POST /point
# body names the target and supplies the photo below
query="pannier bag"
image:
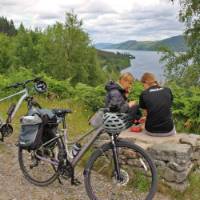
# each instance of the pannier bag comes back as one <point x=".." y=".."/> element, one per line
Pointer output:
<point x="97" y="119"/>
<point x="31" y="132"/>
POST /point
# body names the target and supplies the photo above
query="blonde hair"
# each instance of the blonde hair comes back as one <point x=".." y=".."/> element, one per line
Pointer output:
<point x="126" y="76"/>
<point x="149" y="79"/>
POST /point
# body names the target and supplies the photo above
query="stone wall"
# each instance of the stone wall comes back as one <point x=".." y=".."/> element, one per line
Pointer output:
<point x="175" y="156"/>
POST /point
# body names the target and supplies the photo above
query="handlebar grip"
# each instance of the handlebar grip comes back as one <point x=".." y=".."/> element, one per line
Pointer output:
<point x="15" y="85"/>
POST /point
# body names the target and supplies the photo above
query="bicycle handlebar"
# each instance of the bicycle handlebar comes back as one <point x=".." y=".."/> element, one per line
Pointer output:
<point x="23" y="84"/>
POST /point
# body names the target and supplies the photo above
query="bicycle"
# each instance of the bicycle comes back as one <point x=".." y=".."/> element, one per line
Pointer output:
<point x="116" y="170"/>
<point x="40" y="86"/>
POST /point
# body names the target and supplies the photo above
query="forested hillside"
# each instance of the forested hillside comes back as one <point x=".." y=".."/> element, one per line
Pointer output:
<point x="63" y="51"/>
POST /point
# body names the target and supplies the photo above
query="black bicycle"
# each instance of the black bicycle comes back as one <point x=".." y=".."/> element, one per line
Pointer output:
<point x="117" y="169"/>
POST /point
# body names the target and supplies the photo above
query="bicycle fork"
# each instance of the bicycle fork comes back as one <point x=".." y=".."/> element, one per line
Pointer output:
<point x="116" y="158"/>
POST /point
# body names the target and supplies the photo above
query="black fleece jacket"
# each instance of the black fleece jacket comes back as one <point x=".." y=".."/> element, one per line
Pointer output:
<point x="116" y="99"/>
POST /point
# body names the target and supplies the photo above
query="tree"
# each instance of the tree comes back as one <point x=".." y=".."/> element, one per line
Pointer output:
<point x="66" y="53"/>
<point x="7" y="27"/>
<point x="5" y="56"/>
<point x="184" y="67"/>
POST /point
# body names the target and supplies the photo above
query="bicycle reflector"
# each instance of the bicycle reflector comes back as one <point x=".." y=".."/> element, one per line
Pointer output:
<point x="40" y="86"/>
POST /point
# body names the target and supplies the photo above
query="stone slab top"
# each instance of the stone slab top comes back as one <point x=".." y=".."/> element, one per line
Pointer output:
<point x="144" y="138"/>
<point x="168" y="147"/>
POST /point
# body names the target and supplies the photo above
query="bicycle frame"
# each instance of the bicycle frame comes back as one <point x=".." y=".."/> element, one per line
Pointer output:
<point x="24" y="93"/>
<point x="74" y="160"/>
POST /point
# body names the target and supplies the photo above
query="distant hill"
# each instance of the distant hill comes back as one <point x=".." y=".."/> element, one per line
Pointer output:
<point x="176" y="43"/>
<point x="103" y="45"/>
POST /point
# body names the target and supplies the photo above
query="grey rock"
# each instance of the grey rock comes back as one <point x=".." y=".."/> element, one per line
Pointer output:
<point x="159" y="163"/>
<point x="172" y="176"/>
<point x="191" y="139"/>
<point x="178" y="168"/>
<point x="178" y="186"/>
<point x="179" y="153"/>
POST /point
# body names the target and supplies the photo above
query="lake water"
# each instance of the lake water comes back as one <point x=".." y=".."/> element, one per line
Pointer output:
<point x="145" y="61"/>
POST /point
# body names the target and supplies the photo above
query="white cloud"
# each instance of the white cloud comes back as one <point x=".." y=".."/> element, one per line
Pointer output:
<point x="105" y="20"/>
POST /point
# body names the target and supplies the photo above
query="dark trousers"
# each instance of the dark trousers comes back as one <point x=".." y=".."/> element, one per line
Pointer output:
<point x="134" y="113"/>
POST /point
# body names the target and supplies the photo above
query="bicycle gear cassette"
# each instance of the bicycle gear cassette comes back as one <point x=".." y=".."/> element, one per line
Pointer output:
<point x="6" y="130"/>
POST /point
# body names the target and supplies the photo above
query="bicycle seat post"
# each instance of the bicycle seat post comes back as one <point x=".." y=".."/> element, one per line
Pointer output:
<point x="64" y="122"/>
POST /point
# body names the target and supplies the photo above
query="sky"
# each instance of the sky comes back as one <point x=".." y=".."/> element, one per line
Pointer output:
<point x="105" y="20"/>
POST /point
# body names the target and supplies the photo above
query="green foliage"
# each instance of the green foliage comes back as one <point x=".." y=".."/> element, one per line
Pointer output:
<point x="92" y="97"/>
<point x="186" y="108"/>
<point x="62" y="88"/>
<point x="136" y="91"/>
<point x="184" y="67"/>
<point x="62" y="51"/>
<point x="182" y="71"/>
<point x="113" y="63"/>
<point x="5" y="51"/>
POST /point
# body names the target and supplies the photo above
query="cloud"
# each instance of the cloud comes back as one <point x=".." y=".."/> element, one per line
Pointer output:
<point x="105" y="21"/>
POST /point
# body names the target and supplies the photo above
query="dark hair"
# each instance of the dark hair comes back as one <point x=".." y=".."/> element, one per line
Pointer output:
<point x="149" y="79"/>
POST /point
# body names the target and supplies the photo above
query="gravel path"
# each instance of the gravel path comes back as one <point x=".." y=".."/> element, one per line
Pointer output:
<point x="13" y="185"/>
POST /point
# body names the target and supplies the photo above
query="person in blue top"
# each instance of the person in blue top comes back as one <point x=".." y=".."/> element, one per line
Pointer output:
<point x="157" y="103"/>
<point x="117" y="96"/>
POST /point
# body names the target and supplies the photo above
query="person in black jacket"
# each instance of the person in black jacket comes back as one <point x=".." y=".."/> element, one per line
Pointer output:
<point x="157" y="102"/>
<point x="117" y="96"/>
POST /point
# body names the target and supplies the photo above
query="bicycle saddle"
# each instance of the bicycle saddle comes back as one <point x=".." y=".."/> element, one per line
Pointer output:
<point x="61" y="112"/>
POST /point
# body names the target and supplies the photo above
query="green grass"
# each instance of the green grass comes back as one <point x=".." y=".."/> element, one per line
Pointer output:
<point x="77" y="121"/>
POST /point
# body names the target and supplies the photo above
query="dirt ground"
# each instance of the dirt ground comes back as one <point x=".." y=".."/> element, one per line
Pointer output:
<point x="13" y="186"/>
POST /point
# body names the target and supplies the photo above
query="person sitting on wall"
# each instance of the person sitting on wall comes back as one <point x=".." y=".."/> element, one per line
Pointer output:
<point x="157" y="103"/>
<point x="117" y="97"/>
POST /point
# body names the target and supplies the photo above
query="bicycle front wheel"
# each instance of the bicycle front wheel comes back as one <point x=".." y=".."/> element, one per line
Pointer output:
<point x="40" y="172"/>
<point x="137" y="171"/>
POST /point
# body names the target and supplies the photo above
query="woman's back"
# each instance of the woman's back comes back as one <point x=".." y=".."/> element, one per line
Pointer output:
<point x="157" y="101"/>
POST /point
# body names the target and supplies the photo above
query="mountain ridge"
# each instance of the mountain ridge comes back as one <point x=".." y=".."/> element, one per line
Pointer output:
<point x="175" y="43"/>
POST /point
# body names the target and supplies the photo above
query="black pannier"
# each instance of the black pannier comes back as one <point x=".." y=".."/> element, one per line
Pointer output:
<point x="31" y="132"/>
<point x="37" y="129"/>
<point x="49" y="131"/>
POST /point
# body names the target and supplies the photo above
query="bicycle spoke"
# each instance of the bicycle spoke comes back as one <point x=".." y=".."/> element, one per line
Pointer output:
<point x="37" y="171"/>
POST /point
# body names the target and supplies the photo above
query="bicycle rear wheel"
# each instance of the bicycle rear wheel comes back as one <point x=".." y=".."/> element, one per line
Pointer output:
<point x="38" y="171"/>
<point x="138" y="174"/>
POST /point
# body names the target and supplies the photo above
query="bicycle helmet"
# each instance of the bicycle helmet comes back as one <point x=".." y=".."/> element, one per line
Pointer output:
<point x="40" y="86"/>
<point x="115" y="122"/>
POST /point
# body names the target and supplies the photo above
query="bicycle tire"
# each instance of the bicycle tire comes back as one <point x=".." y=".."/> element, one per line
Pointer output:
<point x="103" y="176"/>
<point x="34" y="177"/>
